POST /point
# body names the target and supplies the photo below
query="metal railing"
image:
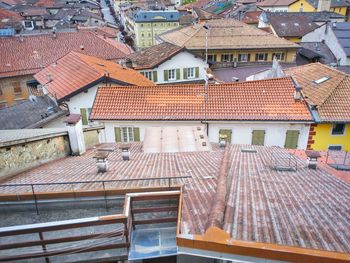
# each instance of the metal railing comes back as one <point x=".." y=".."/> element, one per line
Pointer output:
<point x="32" y="188"/>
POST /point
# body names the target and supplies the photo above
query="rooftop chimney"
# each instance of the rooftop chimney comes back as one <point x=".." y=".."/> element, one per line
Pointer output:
<point x="75" y="133"/>
<point x="125" y="151"/>
<point x="312" y="157"/>
<point x="101" y="157"/>
<point x="297" y="92"/>
<point x="21" y="39"/>
<point x="81" y="47"/>
<point x="54" y="34"/>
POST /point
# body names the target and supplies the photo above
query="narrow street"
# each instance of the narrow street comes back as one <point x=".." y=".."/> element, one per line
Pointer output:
<point x="107" y="14"/>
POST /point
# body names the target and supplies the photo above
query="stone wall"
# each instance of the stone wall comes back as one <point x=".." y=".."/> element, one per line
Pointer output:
<point x="19" y="157"/>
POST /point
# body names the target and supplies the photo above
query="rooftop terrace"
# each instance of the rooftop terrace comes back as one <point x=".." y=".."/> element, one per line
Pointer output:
<point x="303" y="208"/>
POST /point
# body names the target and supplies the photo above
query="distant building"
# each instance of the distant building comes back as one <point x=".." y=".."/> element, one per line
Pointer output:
<point x="327" y="92"/>
<point x="28" y="54"/>
<point x="149" y="24"/>
<point x="265" y="112"/>
<point x="73" y="81"/>
<point x="337" y="6"/>
<point x="164" y="64"/>
<point x="337" y="38"/>
<point x="231" y="43"/>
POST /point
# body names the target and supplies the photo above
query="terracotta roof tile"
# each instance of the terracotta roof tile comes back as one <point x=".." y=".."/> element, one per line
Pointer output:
<point x="10" y="18"/>
<point x="38" y="51"/>
<point x="75" y="71"/>
<point x="331" y="97"/>
<point x="270" y="99"/>
<point x="292" y="26"/>
<point x="153" y="56"/>
<point x="228" y="34"/>
<point x="251" y="17"/>
<point x="262" y="205"/>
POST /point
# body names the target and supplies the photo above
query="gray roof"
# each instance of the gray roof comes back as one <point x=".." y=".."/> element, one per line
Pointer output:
<point x="334" y="3"/>
<point x="29" y="114"/>
<point x="342" y="33"/>
<point x="157" y="16"/>
<point x="323" y="16"/>
<point x="11" y="137"/>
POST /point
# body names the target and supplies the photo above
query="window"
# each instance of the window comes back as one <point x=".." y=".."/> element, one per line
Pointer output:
<point x="148" y="74"/>
<point x="141" y="25"/>
<point x="171" y="74"/>
<point x="243" y="57"/>
<point x="278" y="56"/>
<point x="321" y="80"/>
<point x="190" y="73"/>
<point x="28" y="24"/>
<point x="17" y="87"/>
<point x="127" y="134"/>
<point x="226" y="57"/>
<point x="212" y="58"/>
<point x="334" y="148"/>
<point x="258" y="137"/>
<point x="338" y="129"/>
<point x="261" y="56"/>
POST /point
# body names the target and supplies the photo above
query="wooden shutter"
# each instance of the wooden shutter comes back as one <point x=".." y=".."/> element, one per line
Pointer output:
<point x="178" y="74"/>
<point x="258" y="137"/>
<point x="166" y="75"/>
<point x="185" y="73"/>
<point x="225" y="134"/>
<point x="248" y="57"/>
<point x="117" y="134"/>
<point x="256" y="57"/>
<point x="136" y="134"/>
<point x="266" y="56"/>
<point x="17" y="87"/>
<point x="292" y="138"/>
<point x="84" y="116"/>
<point x="273" y="55"/>
<point x="155" y="77"/>
<point x="197" y="72"/>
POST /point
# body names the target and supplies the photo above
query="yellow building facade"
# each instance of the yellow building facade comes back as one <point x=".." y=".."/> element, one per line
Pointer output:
<point x="241" y="56"/>
<point x="329" y="136"/>
<point x="305" y="6"/>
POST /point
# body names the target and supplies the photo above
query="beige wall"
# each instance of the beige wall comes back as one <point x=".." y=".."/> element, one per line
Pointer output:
<point x="91" y="138"/>
<point x="7" y="89"/>
<point x="19" y="157"/>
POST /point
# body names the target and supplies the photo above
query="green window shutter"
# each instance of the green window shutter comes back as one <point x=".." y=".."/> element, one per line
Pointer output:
<point x="155" y="77"/>
<point x="225" y="134"/>
<point x="142" y="73"/>
<point x="266" y="56"/>
<point x="197" y="72"/>
<point x="136" y="134"/>
<point x="258" y="137"/>
<point x="177" y="73"/>
<point x="273" y="55"/>
<point x="84" y="116"/>
<point x="166" y="75"/>
<point x="185" y="73"/>
<point x="117" y="134"/>
<point x="248" y="57"/>
<point x="256" y="57"/>
<point x="292" y="138"/>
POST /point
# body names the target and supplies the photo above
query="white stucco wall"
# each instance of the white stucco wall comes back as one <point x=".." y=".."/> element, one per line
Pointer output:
<point x="241" y="131"/>
<point x="82" y="100"/>
<point x="182" y="60"/>
<point x="331" y="41"/>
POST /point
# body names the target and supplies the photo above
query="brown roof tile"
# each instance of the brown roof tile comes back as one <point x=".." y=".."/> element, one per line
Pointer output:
<point x="227" y="34"/>
<point x="292" y="26"/>
<point x="153" y="56"/>
<point x="276" y="3"/>
<point x="331" y="97"/>
<point x="270" y="99"/>
<point x="251" y="17"/>
<point x="262" y="205"/>
<point x="75" y="71"/>
<point x="38" y="51"/>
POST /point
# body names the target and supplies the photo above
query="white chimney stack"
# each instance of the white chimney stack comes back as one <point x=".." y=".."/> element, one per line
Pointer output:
<point x="75" y="133"/>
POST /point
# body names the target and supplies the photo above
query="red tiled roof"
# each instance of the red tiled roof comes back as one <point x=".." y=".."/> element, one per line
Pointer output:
<point x="75" y="71"/>
<point x="330" y="97"/>
<point x="9" y="18"/>
<point x="251" y="17"/>
<point x="38" y="51"/>
<point x="276" y="3"/>
<point x="270" y="99"/>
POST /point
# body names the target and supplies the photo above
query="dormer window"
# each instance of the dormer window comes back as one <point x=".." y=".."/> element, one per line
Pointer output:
<point x="321" y="80"/>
